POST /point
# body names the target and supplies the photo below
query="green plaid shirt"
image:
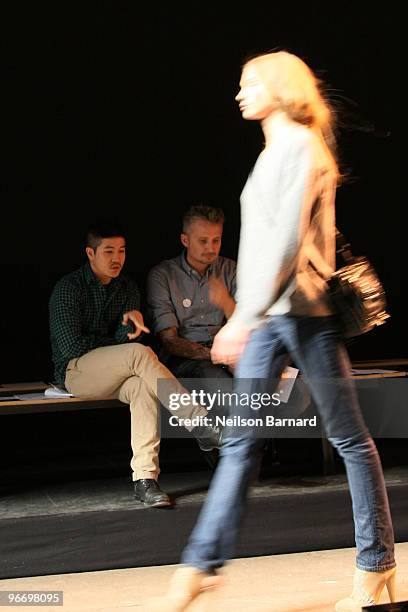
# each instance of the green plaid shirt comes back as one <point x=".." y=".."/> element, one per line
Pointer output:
<point x="84" y="315"/>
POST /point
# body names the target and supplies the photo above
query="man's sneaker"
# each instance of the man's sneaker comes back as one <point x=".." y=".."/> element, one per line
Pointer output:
<point x="149" y="493"/>
<point x="208" y="438"/>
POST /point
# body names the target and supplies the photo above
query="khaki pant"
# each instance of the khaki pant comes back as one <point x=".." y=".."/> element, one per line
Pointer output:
<point x="130" y="373"/>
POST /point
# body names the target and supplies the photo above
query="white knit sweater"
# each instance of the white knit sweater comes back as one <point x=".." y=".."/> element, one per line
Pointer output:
<point x="287" y="222"/>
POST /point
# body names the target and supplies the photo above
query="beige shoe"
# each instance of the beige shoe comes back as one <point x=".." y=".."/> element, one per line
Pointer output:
<point x="186" y="584"/>
<point x="367" y="589"/>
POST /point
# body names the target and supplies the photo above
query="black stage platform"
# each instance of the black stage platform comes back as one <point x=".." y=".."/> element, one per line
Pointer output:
<point x="66" y="499"/>
<point x="95" y="524"/>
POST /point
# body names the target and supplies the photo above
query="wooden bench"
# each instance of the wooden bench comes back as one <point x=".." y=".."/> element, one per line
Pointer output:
<point x="30" y="406"/>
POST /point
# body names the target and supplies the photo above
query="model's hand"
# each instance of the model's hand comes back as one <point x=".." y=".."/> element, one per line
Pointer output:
<point x="229" y="343"/>
<point x="135" y="317"/>
<point x="219" y="296"/>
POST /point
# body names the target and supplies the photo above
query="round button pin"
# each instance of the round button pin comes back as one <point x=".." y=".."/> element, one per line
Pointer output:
<point x="186" y="303"/>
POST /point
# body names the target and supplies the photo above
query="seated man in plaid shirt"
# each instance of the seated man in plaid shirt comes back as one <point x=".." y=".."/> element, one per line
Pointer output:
<point x="94" y="323"/>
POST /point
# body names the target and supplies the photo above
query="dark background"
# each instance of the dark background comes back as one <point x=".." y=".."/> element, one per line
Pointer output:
<point x="126" y="110"/>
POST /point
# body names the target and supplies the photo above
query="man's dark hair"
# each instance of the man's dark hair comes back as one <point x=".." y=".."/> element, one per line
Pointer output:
<point x="200" y="211"/>
<point x="104" y="229"/>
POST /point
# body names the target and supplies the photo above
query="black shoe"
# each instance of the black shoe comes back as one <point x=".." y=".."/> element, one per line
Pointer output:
<point x="149" y="493"/>
<point x="208" y="438"/>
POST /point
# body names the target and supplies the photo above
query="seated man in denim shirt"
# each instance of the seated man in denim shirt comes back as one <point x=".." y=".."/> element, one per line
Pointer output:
<point x="190" y="297"/>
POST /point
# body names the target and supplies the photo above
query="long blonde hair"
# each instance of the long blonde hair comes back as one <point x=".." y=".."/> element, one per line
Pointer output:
<point x="297" y="91"/>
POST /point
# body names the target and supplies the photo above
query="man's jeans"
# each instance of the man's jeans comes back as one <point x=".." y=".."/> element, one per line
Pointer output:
<point x="201" y="375"/>
<point x="317" y="350"/>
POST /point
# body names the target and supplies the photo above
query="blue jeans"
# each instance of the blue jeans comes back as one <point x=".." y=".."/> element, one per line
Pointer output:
<point x="318" y="352"/>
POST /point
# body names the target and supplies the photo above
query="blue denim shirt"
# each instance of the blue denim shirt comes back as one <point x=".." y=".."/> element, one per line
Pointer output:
<point x="177" y="296"/>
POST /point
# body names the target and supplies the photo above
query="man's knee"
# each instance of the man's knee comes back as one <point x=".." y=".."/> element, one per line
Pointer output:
<point x="140" y="351"/>
<point x="135" y="392"/>
<point x="214" y="370"/>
